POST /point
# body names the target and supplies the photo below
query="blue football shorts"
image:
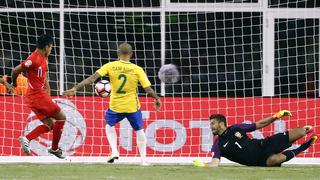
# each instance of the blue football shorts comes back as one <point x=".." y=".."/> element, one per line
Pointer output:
<point x="135" y="118"/>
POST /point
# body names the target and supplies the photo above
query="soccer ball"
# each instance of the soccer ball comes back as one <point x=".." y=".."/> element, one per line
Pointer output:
<point x="169" y="73"/>
<point x="103" y="88"/>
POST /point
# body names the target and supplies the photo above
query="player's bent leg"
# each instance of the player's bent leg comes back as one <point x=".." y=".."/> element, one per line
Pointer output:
<point x="57" y="131"/>
<point x="297" y="133"/>
<point x="313" y="139"/>
<point x="275" y="160"/>
<point x="41" y="129"/>
<point x="36" y="132"/>
<point x="59" y="115"/>
<point x="25" y="145"/>
<point x="308" y="128"/>
<point x="60" y="119"/>
<point x="57" y="153"/>
<point x="135" y="120"/>
<point x="112" y="118"/>
<point x="48" y="122"/>
<point x="294" y="152"/>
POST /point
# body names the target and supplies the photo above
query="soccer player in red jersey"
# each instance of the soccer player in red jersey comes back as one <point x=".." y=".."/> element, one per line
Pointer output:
<point x="38" y="96"/>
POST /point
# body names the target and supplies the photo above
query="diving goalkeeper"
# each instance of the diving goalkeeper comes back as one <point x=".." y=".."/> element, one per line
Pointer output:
<point x="234" y="144"/>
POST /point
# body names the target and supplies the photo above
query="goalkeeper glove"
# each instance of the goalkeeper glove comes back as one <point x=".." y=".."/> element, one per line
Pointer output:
<point x="281" y="114"/>
<point x="197" y="163"/>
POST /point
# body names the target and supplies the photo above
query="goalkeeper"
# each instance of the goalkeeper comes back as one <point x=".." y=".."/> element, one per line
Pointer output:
<point x="234" y="144"/>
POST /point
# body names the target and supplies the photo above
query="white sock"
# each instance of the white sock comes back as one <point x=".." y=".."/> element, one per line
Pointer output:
<point x="112" y="138"/>
<point x="142" y="144"/>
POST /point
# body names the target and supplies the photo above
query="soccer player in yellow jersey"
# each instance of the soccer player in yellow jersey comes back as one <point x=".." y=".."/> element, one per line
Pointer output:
<point x="124" y="77"/>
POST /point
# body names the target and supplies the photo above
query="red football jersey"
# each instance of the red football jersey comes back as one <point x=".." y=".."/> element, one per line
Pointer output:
<point x="35" y="67"/>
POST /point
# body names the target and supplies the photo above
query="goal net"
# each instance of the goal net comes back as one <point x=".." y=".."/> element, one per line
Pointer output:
<point x="244" y="59"/>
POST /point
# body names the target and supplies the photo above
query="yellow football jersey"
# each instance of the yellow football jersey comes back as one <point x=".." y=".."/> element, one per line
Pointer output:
<point x="124" y="77"/>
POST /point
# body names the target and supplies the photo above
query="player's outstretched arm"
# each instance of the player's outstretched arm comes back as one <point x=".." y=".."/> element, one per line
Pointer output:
<point x="71" y="92"/>
<point x="266" y="121"/>
<point x="214" y="163"/>
<point x="151" y="92"/>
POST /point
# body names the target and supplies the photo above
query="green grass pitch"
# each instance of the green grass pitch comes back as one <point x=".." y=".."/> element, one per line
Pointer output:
<point x="171" y="172"/>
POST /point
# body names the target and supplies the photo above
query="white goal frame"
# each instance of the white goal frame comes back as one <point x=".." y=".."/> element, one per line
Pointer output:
<point x="269" y="16"/>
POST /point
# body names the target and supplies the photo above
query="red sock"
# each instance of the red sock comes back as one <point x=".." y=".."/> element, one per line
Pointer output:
<point x="57" y="131"/>
<point x="36" y="132"/>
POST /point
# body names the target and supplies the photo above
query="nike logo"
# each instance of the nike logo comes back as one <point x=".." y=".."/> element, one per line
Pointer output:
<point x="225" y="144"/>
<point x="236" y="143"/>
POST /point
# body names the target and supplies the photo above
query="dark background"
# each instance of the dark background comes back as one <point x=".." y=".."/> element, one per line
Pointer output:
<point x="218" y="54"/>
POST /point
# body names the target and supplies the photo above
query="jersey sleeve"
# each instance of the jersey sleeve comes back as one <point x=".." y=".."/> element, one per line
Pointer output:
<point x="143" y="79"/>
<point x="104" y="70"/>
<point x="28" y="64"/>
<point x="215" y="150"/>
<point x="245" y="127"/>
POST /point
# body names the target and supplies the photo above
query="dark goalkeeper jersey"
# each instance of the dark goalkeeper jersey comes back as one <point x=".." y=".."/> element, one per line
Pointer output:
<point x="235" y="145"/>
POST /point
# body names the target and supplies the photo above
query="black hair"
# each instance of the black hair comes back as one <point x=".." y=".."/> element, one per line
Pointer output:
<point x="43" y="41"/>
<point x="219" y="118"/>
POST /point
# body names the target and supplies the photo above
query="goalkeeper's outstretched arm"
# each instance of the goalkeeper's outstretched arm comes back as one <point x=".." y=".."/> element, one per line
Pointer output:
<point x="268" y="120"/>
<point x="87" y="81"/>
<point x="214" y="163"/>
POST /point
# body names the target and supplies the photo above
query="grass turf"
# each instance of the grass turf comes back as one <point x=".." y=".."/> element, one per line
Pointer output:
<point x="172" y="172"/>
